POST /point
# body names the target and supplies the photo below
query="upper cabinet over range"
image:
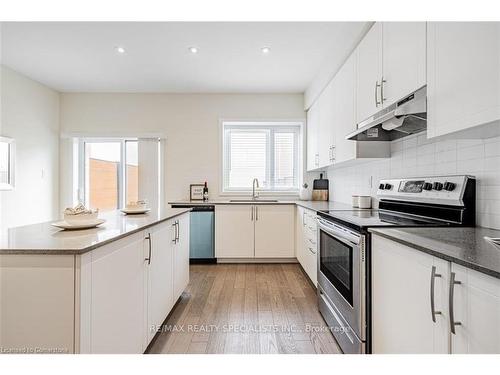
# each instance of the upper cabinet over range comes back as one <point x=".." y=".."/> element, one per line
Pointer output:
<point x="391" y="64"/>
<point x="463" y="88"/>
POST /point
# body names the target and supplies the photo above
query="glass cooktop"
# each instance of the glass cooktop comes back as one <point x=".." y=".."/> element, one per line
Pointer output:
<point x="379" y="218"/>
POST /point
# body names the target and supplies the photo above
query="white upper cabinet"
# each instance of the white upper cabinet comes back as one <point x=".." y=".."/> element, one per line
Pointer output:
<point x="463" y="75"/>
<point x="404" y="59"/>
<point x="327" y="120"/>
<point x="391" y="64"/>
<point x="369" y="73"/>
<point x="312" y="129"/>
<point x="345" y="111"/>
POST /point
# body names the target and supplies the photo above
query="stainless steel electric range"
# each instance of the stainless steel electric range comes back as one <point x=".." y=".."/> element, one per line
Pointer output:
<point x="344" y="261"/>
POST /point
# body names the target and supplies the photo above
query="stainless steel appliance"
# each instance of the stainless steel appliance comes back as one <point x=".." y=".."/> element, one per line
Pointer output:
<point x="405" y="117"/>
<point x="344" y="285"/>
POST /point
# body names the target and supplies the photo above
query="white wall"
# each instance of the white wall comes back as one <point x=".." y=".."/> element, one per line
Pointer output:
<point x="30" y="115"/>
<point x="190" y="123"/>
<point x="419" y="156"/>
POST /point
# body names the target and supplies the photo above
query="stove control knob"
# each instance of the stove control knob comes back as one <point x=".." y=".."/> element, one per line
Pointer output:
<point x="381" y="186"/>
<point x="449" y="186"/>
<point x="427" y="186"/>
<point x="437" y="186"/>
<point x="388" y="187"/>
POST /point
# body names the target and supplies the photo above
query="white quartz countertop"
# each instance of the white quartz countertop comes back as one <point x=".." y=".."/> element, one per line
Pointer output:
<point x="44" y="238"/>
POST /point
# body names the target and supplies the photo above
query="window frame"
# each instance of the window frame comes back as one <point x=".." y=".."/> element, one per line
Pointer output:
<point x="83" y="188"/>
<point x="273" y="126"/>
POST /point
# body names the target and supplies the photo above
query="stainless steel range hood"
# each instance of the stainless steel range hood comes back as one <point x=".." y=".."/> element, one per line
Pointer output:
<point x="408" y="116"/>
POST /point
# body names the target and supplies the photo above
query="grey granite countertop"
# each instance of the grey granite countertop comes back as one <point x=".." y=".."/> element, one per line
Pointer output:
<point x="44" y="238"/>
<point x="311" y="205"/>
<point x="461" y="245"/>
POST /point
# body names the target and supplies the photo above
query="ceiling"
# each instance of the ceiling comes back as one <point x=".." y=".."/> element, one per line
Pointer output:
<point x="82" y="56"/>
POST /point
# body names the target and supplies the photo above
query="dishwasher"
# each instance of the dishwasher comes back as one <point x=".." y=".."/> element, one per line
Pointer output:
<point x="201" y="233"/>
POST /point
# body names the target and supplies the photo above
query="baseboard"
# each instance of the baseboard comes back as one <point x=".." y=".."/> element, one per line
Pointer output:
<point x="257" y="260"/>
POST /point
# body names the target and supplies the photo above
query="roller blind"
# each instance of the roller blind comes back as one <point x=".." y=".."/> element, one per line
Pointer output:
<point x="266" y="151"/>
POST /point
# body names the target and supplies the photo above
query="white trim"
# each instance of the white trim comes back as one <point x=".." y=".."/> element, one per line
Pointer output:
<point x="112" y="135"/>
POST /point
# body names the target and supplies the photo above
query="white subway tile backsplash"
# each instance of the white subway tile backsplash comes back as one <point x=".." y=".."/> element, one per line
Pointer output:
<point x="419" y="156"/>
<point x="474" y="152"/>
<point x="492" y="149"/>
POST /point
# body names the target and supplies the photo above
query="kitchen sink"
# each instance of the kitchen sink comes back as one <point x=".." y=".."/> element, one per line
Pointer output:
<point x="253" y="200"/>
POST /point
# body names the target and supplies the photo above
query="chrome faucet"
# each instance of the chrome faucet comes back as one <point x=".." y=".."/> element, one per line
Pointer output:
<point x="255" y="184"/>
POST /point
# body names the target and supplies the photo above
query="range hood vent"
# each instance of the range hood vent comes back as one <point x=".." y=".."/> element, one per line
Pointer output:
<point x="408" y="116"/>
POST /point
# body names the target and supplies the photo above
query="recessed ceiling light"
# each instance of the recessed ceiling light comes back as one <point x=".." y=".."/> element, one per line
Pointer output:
<point x="193" y="50"/>
<point x="265" y="50"/>
<point x="120" y="49"/>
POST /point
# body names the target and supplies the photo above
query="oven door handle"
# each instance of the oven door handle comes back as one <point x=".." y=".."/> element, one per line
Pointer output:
<point x="338" y="232"/>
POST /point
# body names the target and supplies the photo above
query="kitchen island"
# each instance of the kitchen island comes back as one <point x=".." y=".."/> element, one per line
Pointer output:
<point x="101" y="290"/>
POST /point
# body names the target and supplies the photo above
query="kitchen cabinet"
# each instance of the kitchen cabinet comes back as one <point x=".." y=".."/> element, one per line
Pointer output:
<point x="117" y="297"/>
<point x="463" y="77"/>
<point x="326" y="124"/>
<point x="274" y="231"/>
<point x="391" y="63"/>
<point x="306" y="242"/>
<point x="127" y="288"/>
<point x="369" y="73"/>
<point x="402" y="298"/>
<point x="254" y="231"/>
<point x="345" y="112"/>
<point x="313" y="137"/>
<point x="181" y="256"/>
<point x="404" y="59"/>
<point x="476" y="305"/>
<point x="160" y="270"/>
<point x="234" y="231"/>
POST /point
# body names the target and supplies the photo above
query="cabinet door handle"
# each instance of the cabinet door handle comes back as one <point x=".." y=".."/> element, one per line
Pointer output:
<point x="150" y="245"/>
<point x="251" y="215"/>
<point x="377" y="85"/>
<point x="382" y="90"/>
<point x="304" y="218"/>
<point x="175" y="232"/>
<point x="453" y="282"/>
<point x="256" y="213"/>
<point x="178" y="231"/>
<point x="433" y="278"/>
<point x="311" y="250"/>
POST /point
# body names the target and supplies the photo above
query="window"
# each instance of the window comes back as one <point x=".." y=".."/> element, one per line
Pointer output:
<point x="268" y="151"/>
<point x="109" y="173"/>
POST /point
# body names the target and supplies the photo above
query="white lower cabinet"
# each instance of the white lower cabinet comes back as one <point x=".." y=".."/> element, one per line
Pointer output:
<point x="274" y="231"/>
<point x="401" y="300"/>
<point x="181" y="256"/>
<point x="476" y="305"/>
<point x="254" y="231"/>
<point x="117" y="297"/>
<point x="160" y="277"/>
<point x="409" y="285"/>
<point x="306" y="242"/>
<point x="234" y="231"/>
<point x="128" y="288"/>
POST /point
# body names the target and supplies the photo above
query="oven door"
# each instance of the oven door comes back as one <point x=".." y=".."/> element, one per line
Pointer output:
<point x="341" y="272"/>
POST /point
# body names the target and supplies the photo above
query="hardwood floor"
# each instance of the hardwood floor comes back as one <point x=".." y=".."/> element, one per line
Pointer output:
<point x="246" y="308"/>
